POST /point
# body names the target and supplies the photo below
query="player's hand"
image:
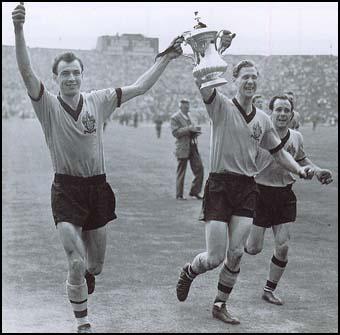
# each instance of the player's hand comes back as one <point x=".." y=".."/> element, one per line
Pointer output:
<point x="18" y="16"/>
<point x="324" y="176"/>
<point x="306" y="172"/>
<point x="310" y="171"/>
<point x="175" y="48"/>
<point x="226" y="40"/>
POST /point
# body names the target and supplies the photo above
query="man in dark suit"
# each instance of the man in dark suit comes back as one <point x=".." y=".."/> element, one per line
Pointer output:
<point x="186" y="150"/>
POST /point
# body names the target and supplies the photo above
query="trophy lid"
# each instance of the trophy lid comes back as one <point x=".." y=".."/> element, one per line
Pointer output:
<point x="199" y="24"/>
<point x="200" y="28"/>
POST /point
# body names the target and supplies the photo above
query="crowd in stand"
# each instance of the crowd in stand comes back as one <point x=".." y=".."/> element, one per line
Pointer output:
<point x="313" y="79"/>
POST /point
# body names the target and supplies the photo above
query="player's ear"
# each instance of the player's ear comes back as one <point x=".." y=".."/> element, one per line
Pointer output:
<point x="55" y="78"/>
<point x="291" y="118"/>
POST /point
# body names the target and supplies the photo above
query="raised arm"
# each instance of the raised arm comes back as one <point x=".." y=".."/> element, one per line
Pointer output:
<point x="31" y="81"/>
<point x="226" y="40"/>
<point x="206" y="92"/>
<point x="149" y="78"/>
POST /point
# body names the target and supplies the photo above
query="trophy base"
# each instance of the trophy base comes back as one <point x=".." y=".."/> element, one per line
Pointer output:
<point x="214" y="83"/>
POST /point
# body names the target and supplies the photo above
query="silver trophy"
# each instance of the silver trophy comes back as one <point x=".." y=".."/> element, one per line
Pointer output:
<point x="207" y="49"/>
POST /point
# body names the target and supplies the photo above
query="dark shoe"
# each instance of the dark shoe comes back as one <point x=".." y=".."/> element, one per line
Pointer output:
<point x="86" y="328"/>
<point x="222" y="314"/>
<point x="196" y="196"/>
<point x="90" y="281"/>
<point x="184" y="282"/>
<point x="271" y="298"/>
<point x="181" y="198"/>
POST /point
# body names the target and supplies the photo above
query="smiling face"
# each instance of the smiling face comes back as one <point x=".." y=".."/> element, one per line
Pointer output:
<point x="282" y="113"/>
<point x="246" y="81"/>
<point x="69" y="77"/>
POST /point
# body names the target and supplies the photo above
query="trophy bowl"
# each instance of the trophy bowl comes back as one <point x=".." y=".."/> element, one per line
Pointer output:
<point x="207" y="55"/>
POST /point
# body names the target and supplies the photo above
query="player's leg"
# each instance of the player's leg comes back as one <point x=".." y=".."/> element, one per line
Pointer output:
<point x="95" y="244"/>
<point x="254" y="244"/>
<point x="216" y="234"/>
<point x="278" y="262"/>
<point x="262" y="220"/>
<point x="198" y="171"/>
<point x="76" y="287"/>
<point x="103" y="205"/>
<point x="181" y="168"/>
<point x="239" y="228"/>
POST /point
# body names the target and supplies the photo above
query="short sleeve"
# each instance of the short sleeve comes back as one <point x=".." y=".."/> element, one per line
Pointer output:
<point x="300" y="155"/>
<point x="106" y="100"/>
<point x="262" y="159"/>
<point x="215" y="105"/>
<point x="270" y="140"/>
<point x="43" y="107"/>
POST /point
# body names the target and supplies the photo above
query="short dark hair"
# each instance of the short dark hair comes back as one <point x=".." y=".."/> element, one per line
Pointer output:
<point x="67" y="57"/>
<point x="243" y="63"/>
<point x="257" y="96"/>
<point x="281" y="97"/>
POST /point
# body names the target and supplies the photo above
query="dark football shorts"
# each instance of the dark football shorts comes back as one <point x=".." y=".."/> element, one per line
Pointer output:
<point x="88" y="202"/>
<point x="276" y="205"/>
<point x="227" y="194"/>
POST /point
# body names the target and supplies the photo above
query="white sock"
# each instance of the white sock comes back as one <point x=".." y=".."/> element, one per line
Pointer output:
<point x="77" y="295"/>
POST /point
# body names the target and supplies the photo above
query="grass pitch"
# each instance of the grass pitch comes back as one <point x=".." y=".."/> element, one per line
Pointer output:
<point x="151" y="240"/>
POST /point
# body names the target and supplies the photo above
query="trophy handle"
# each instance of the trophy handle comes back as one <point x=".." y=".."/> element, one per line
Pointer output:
<point x="185" y="35"/>
<point x="219" y="49"/>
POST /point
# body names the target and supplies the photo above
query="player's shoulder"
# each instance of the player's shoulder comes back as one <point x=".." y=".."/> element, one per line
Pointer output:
<point x="296" y="134"/>
<point x="108" y="91"/>
<point x="44" y="91"/>
<point x="220" y="95"/>
<point x="45" y="95"/>
<point x="91" y="94"/>
<point x="262" y="115"/>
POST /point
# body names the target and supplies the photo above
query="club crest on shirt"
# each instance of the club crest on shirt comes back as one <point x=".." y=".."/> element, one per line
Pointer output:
<point x="291" y="149"/>
<point x="89" y="123"/>
<point x="257" y="131"/>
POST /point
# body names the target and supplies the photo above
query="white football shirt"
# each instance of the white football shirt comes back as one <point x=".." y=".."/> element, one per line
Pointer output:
<point x="75" y="137"/>
<point x="271" y="173"/>
<point x="236" y="137"/>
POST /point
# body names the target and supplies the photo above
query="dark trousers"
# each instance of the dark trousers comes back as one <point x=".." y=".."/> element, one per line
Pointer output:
<point x="197" y="169"/>
<point x="158" y="130"/>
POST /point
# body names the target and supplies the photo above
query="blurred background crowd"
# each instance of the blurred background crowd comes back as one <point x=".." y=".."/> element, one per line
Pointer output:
<point x="313" y="79"/>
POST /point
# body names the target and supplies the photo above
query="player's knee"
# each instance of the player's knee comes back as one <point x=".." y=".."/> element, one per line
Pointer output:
<point x="96" y="269"/>
<point x="234" y="257"/>
<point x="282" y="250"/>
<point x="215" y="260"/>
<point x="77" y="268"/>
<point x="253" y="249"/>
